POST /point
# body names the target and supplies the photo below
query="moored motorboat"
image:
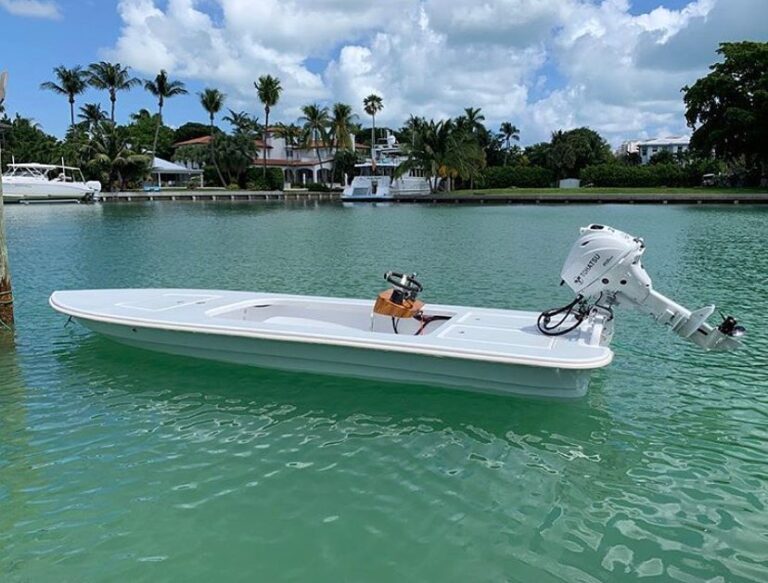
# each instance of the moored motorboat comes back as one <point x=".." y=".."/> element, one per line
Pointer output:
<point x="378" y="179"/>
<point x="47" y="183"/>
<point x="398" y="338"/>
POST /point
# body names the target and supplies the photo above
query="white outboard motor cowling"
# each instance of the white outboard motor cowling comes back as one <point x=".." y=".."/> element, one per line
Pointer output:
<point x="604" y="265"/>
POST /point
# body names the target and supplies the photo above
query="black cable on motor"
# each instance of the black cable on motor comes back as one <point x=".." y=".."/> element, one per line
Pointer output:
<point x="608" y="309"/>
<point x="394" y="325"/>
<point x="544" y="319"/>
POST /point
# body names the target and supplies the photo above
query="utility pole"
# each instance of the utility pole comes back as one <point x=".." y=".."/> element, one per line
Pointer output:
<point x="6" y="293"/>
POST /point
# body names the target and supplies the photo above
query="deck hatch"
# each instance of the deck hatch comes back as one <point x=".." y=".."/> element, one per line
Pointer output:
<point x="166" y="302"/>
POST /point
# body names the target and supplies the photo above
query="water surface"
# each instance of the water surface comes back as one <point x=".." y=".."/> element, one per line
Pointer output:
<point x="116" y="464"/>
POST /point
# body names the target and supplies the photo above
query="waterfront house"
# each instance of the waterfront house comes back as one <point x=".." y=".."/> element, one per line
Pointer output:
<point x="674" y="145"/>
<point x="301" y="163"/>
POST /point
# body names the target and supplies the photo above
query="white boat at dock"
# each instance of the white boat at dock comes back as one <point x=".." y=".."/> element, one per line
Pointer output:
<point x="376" y="179"/>
<point x="32" y="182"/>
<point x="397" y="338"/>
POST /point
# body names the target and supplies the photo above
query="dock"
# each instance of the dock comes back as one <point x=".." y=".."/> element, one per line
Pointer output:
<point x="203" y="194"/>
<point x="467" y="198"/>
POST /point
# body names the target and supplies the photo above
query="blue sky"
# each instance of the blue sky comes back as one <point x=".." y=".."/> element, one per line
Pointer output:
<point x="81" y="35"/>
<point x="615" y="65"/>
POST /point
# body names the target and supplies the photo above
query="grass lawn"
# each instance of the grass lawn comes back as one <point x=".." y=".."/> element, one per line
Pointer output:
<point x="512" y="192"/>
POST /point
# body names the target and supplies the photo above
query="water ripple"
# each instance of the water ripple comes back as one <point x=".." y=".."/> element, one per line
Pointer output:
<point x="120" y="464"/>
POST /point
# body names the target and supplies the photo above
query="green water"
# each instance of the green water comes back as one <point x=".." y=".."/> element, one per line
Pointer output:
<point x="121" y="465"/>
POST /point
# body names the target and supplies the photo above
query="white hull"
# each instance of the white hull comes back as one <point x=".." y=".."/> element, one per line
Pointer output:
<point x="17" y="191"/>
<point x="495" y="351"/>
<point x="362" y="188"/>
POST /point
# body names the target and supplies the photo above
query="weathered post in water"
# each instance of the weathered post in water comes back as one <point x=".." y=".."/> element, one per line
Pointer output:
<point x="6" y="293"/>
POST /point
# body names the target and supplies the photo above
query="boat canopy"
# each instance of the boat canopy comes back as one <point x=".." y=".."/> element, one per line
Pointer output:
<point x="51" y="172"/>
<point x="33" y="165"/>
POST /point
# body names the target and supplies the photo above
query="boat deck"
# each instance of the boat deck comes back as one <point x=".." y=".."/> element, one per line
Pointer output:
<point x="502" y="336"/>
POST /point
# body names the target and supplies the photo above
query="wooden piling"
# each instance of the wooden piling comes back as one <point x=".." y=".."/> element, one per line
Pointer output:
<point x="6" y="292"/>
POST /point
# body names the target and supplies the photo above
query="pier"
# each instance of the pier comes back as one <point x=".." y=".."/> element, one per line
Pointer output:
<point x="214" y="195"/>
<point x="466" y="198"/>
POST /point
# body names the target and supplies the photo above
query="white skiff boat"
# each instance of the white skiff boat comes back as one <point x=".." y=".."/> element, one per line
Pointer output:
<point x="398" y="338"/>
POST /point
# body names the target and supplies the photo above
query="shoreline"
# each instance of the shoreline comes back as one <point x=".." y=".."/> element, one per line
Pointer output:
<point x="597" y="196"/>
<point x="506" y="196"/>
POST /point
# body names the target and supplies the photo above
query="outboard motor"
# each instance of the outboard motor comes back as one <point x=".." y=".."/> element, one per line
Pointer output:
<point x="604" y="269"/>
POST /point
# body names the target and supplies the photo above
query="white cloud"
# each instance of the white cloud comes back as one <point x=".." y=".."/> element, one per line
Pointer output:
<point x="542" y="64"/>
<point x="33" y="8"/>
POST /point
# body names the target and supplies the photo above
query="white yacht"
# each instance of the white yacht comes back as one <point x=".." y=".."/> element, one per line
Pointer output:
<point x="46" y="182"/>
<point x="375" y="179"/>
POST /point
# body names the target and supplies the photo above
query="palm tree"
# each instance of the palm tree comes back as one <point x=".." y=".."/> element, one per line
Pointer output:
<point x="212" y="101"/>
<point x="268" y="89"/>
<point x="92" y="114"/>
<point x="372" y="105"/>
<point x="141" y="115"/>
<point x="445" y="151"/>
<point x="291" y="133"/>
<point x="471" y="121"/>
<point x="508" y="133"/>
<point x="414" y="125"/>
<point x="316" y="121"/>
<point x="341" y="125"/>
<point x="236" y="154"/>
<point x="112" y="77"/>
<point x="163" y="89"/>
<point x="109" y="153"/>
<point x="242" y="122"/>
<point x="71" y="82"/>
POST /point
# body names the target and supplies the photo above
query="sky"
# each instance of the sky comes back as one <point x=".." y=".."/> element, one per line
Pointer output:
<point x="616" y="66"/>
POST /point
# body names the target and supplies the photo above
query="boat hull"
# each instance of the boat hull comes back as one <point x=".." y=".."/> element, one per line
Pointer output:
<point x="455" y="373"/>
<point x="461" y="347"/>
<point x="361" y="189"/>
<point x="34" y="191"/>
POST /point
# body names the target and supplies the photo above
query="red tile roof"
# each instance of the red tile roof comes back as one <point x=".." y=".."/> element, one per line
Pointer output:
<point x="205" y="140"/>
<point x="193" y="141"/>
<point x="281" y="162"/>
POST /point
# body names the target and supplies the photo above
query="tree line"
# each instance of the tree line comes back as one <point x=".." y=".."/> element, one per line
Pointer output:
<point x="727" y="111"/>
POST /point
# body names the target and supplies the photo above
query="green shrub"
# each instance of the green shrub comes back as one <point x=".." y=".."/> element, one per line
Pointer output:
<point x="655" y="175"/>
<point x="516" y="176"/>
<point x="256" y="180"/>
<point x="210" y="177"/>
<point x="318" y="187"/>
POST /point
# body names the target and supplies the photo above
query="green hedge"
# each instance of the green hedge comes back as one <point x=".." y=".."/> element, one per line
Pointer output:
<point x="654" y="175"/>
<point x="516" y="176"/>
<point x="255" y="178"/>
<point x="317" y="187"/>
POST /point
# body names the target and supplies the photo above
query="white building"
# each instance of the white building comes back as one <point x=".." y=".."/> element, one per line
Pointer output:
<point x="628" y="147"/>
<point x="673" y="145"/>
<point x="300" y="164"/>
